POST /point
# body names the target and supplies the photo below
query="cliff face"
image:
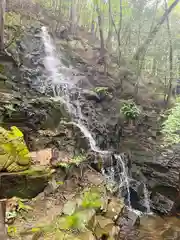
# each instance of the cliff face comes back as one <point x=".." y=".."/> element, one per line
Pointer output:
<point x="28" y="104"/>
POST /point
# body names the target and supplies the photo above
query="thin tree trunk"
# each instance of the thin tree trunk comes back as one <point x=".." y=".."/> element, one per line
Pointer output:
<point x="170" y="58"/>
<point x="102" y="50"/>
<point x="154" y="67"/>
<point x="108" y="40"/>
<point x="154" y="17"/>
<point x="119" y="33"/>
<point x="2" y="11"/>
<point x="141" y="51"/>
<point x="73" y="17"/>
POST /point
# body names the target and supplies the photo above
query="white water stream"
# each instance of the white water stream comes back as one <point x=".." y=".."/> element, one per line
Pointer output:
<point x="62" y="86"/>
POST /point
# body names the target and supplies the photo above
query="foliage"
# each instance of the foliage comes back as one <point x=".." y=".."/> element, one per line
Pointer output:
<point x="11" y="215"/>
<point x="14" y="154"/>
<point x="12" y="231"/>
<point x="171" y="125"/>
<point x="76" y="160"/>
<point x="130" y="110"/>
<point x="22" y="206"/>
<point x="100" y="90"/>
<point x="77" y="220"/>
<point x="12" y="19"/>
<point x="91" y="199"/>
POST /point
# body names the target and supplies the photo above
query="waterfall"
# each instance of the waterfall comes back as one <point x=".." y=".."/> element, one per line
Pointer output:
<point x="146" y="200"/>
<point x="62" y="87"/>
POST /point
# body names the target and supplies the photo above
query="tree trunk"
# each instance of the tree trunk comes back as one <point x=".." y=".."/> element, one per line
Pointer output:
<point x="141" y="51"/>
<point x="154" y="67"/>
<point x="108" y="40"/>
<point x="170" y="58"/>
<point x="102" y="50"/>
<point x="119" y="33"/>
<point x="2" y="11"/>
<point x="73" y="17"/>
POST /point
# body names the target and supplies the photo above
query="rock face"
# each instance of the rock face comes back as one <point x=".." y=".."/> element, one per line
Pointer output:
<point x="161" y="175"/>
<point x="34" y="111"/>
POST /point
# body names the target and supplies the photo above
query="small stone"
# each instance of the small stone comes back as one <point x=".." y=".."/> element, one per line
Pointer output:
<point x="114" y="208"/>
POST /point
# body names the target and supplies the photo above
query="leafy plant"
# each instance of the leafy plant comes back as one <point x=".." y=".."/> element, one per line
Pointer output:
<point x="12" y="231"/>
<point x="171" y="126"/>
<point x="91" y="199"/>
<point x="100" y="90"/>
<point x="77" y="220"/>
<point x="78" y="159"/>
<point x="22" y="206"/>
<point x="11" y="215"/>
<point x="130" y="110"/>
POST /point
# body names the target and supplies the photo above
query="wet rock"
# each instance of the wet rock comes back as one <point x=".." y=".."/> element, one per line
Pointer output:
<point x="161" y="204"/>
<point x="91" y="95"/>
<point x="94" y="177"/>
<point x="88" y="235"/>
<point x="24" y="185"/>
<point x="3" y="77"/>
<point x="114" y="208"/>
<point x="130" y="218"/>
<point x="104" y="227"/>
<point x="161" y="172"/>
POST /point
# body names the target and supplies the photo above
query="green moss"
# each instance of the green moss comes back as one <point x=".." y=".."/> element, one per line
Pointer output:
<point x="37" y="171"/>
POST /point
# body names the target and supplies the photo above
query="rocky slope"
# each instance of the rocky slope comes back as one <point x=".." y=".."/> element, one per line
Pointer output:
<point x="39" y="116"/>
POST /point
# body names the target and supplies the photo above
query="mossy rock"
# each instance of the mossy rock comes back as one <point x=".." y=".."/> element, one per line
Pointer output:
<point x="26" y="184"/>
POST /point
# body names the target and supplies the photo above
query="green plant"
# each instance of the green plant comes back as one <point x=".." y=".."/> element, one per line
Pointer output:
<point x="130" y="110"/>
<point x="12" y="231"/>
<point x="100" y="90"/>
<point x="78" y="159"/>
<point x="22" y="206"/>
<point x="171" y="126"/>
<point x="91" y="199"/>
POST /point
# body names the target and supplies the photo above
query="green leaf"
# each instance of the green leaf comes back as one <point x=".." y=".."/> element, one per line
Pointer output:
<point x="22" y="206"/>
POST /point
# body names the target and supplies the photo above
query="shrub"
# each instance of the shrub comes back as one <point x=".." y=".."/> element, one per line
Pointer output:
<point x="171" y="126"/>
<point x="101" y="90"/>
<point x="130" y="110"/>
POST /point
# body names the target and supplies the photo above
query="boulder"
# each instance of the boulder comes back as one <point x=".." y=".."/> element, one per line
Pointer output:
<point x="114" y="208"/>
<point x="91" y="95"/>
<point x="27" y="184"/>
<point x="161" y="172"/>
<point x="130" y="218"/>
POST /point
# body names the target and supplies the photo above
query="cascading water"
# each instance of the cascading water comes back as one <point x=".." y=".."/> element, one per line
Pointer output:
<point x="146" y="200"/>
<point x="124" y="177"/>
<point x="63" y="87"/>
